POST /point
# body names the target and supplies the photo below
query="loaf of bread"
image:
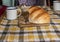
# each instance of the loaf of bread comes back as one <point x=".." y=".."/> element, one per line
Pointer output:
<point x="38" y="15"/>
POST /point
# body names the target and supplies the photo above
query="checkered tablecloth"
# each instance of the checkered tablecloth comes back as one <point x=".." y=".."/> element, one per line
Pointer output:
<point x="11" y="32"/>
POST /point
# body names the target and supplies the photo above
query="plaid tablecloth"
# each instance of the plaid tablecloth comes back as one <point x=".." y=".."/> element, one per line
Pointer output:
<point x="10" y="32"/>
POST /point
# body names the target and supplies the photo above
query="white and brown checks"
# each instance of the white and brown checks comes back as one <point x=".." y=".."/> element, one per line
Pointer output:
<point x="10" y="32"/>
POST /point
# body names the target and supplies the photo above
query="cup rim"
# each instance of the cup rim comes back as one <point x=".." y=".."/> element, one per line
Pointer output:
<point x="56" y="1"/>
<point x="11" y="8"/>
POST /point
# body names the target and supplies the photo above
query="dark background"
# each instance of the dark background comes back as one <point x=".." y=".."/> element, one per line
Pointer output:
<point x="50" y="2"/>
<point x="0" y="2"/>
<point x="37" y="2"/>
